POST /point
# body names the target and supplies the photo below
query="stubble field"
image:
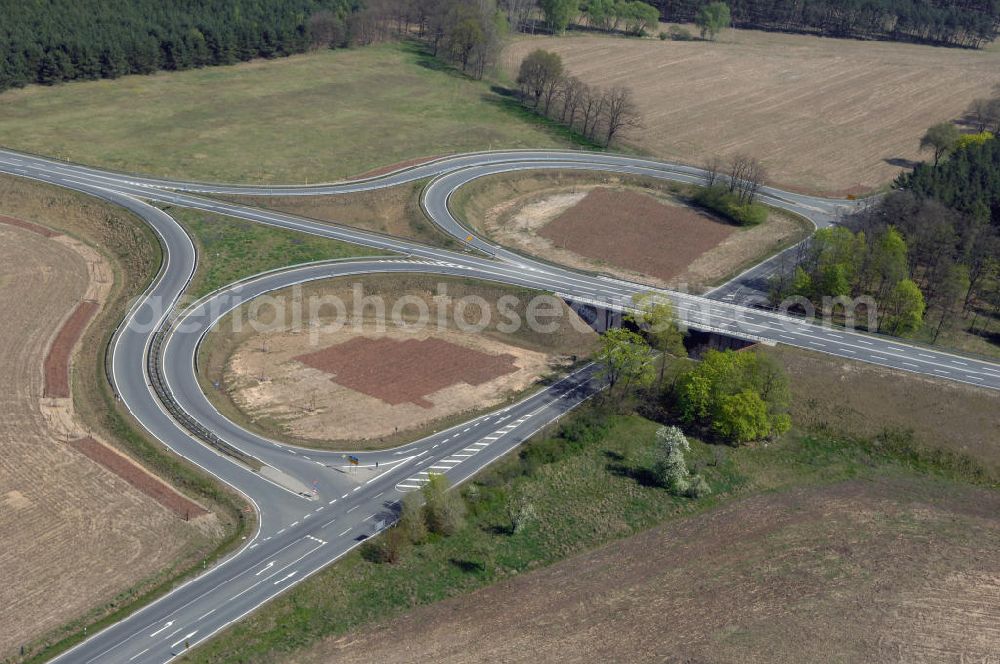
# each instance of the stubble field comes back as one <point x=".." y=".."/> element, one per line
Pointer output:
<point x="74" y="533"/>
<point x="826" y="115"/>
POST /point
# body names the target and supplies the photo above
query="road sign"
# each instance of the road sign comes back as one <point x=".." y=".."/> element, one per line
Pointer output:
<point x="469" y="238"/>
<point x="354" y="460"/>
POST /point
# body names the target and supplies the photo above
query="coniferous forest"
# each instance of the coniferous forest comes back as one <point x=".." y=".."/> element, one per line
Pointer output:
<point x="63" y="40"/>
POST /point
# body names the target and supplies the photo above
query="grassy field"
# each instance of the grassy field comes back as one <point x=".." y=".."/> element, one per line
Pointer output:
<point x="231" y="249"/>
<point x="393" y="211"/>
<point x="306" y="118"/>
<point x="828" y="115"/>
<point x="592" y="487"/>
<point x="133" y="255"/>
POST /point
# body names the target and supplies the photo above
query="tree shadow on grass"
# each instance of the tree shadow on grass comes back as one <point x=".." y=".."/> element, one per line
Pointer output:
<point x="641" y="476"/>
<point x="901" y="162"/>
<point x="468" y="566"/>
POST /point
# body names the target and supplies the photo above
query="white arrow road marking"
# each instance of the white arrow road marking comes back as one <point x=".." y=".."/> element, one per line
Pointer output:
<point x="176" y="643"/>
<point x="162" y="629"/>
<point x="287" y="577"/>
<point x="266" y="567"/>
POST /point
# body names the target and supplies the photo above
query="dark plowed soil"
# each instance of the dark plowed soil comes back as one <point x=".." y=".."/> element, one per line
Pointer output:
<point x="137" y="477"/>
<point x="57" y="361"/>
<point x="28" y="226"/>
<point x="406" y="371"/>
<point x="636" y="232"/>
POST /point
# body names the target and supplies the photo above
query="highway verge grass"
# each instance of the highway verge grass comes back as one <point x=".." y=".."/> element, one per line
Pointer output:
<point x="307" y="118"/>
<point x="392" y="211"/>
<point x="589" y="482"/>
<point x="231" y="249"/>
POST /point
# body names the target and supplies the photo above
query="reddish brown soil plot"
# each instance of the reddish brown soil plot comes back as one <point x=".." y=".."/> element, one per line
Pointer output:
<point x="406" y="371"/>
<point x="137" y="477"/>
<point x="28" y="226"/>
<point x="57" y="360"/>
<point x="636" y="232"/>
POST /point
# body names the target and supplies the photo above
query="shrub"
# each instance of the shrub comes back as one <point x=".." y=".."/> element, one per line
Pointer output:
<point x="677" y="33"/>
<point x="721" y="201"/>
<point x="444" y="510"/>
<point x="411" y="519"/>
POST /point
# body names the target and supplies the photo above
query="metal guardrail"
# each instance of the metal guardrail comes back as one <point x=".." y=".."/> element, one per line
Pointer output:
<point x="154" y="370"/>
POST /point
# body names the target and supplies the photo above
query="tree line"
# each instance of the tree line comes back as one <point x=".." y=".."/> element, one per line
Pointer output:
<point x="60" y="40"/>
<point x="928" y="253"/>
<point x="966" y="23"/>
<point x="600" y="115"/>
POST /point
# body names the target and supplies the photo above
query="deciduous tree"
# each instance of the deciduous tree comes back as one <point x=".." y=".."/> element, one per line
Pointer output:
<point x="713" y="19"/>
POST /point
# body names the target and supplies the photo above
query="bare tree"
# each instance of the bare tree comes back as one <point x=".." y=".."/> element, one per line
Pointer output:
<point x="713" y="167"/>
<point x="620" y="113"/>
<point x="571" y="93"/>
<point x="591" y="103"/>
<point x="746" y="176"/>
<point x="518" y="13"/>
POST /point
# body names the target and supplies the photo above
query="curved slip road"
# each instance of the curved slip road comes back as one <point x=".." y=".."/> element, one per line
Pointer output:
<point x="312" y="507"/>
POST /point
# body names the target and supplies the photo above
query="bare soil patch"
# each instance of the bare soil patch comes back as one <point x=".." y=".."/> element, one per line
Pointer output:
<point x="634" y="228"/>
<point x="276" y="391"/>
<point x="907" y="568"/>
<point x="58" y="358"/>
<point x="825" y="115"/>
<point x="76" y="535"/>
<point x="407" y="371"/>
<point x="390" y="383"/>
<point x="138" y="477"/>
<point x="635" y="231"/>
<point x="862" y="400"/>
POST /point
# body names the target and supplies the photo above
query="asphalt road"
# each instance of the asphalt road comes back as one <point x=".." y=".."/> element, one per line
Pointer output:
<point x="313" y="506"/>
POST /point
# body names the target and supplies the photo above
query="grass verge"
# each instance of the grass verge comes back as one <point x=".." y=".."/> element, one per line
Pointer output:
<point x="231" y="249"/>
<point x="392" y="211"/>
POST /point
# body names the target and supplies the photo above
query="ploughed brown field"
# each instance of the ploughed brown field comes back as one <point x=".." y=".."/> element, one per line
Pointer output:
<point x="406" y="371"/>
<point x="824" y="115"/>
<point x="899" y="570"/>
<point x="636" y="231"/>
<point x="75" y="534"/>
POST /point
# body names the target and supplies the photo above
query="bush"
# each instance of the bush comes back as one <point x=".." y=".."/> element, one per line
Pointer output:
<point x="411" y="519"/>
<point x="677" y="33"/>
<point x="444" y="510"/>
<point x="387" y="548"/>
<point x="721" y="201"/>
<point x="663" y="36"/>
